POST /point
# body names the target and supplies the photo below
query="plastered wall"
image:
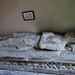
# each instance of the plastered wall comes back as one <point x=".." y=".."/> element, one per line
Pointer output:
<point x="50" y="15"/>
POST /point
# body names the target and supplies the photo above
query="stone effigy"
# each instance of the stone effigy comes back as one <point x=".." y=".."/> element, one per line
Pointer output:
<point x="48" y="40"/>
<point x="56" y="44"/>
<point x="71" y="47"/>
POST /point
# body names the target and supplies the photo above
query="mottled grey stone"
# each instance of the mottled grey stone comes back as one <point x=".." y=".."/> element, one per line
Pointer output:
<point x="18" y="35"/>
<point x="21" y="41"/>
<point x="52" y="41"/>
<point x="9" y="72"/>
<point x="71" y="46"/>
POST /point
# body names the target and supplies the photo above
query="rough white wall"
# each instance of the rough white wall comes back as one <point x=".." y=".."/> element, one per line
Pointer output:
<point x="51" y="15"/>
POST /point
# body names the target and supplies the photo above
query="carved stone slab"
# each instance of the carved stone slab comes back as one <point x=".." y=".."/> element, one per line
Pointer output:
<point x="52" y="41"/>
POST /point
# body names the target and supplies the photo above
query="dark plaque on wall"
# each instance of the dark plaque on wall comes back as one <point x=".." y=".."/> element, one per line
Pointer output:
<point x="28" y="15"/>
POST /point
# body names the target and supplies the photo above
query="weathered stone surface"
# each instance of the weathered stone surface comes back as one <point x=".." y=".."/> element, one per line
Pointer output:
<point x="9" y="72"/>
<point x="21" y="41"/>
<point x="5" y="37"/>
<point x="68" y="55"/>
<point x="31" y="39"/>
<point x="71" y="46"/>
<point x="49" y="40"/>
<point x="52" y="41"/>
<point x="18" y="35"/>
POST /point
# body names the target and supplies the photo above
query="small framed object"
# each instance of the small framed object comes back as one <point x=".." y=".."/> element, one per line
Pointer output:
<point x="28" y="15"/>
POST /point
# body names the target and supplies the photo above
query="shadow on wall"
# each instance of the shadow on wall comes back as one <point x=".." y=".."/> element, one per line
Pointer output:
<point x="58" y="16"/>
<point x="50" y="15"/>
<point x="58" y="28"/>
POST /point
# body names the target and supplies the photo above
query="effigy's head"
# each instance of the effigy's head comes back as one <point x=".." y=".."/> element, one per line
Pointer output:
<point x="31" y="39"/>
